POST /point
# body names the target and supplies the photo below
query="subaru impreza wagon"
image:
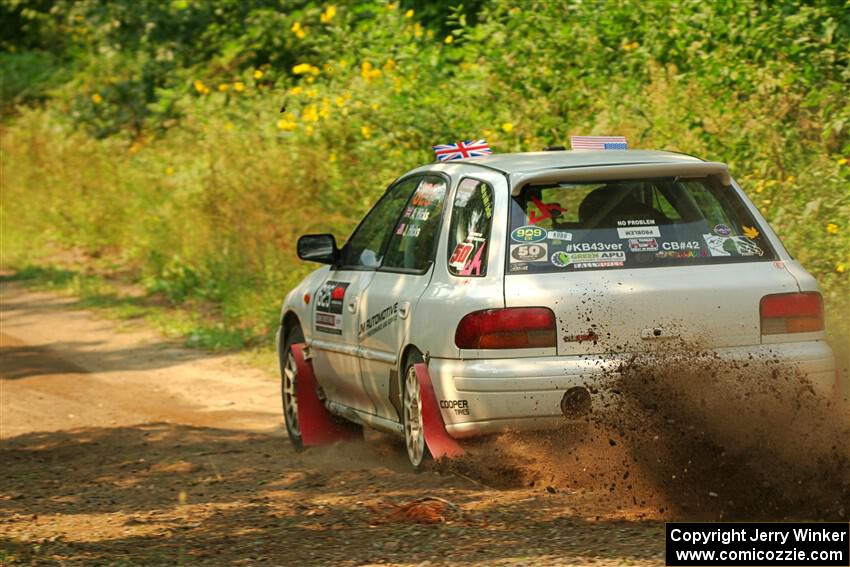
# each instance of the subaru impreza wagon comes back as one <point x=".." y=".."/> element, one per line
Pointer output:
<point x="485" y="294"/>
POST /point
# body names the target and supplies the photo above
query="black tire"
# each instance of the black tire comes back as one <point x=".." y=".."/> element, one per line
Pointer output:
<point x="288" y="379"/>
<point x="411" y="401"/>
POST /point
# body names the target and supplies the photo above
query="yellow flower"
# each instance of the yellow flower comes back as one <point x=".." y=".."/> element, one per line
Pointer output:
<point x="299" y="31"/>
<point x="392" y="6"/>
<point x="767" y="202"/>
<point x="258" y="74"/>
<point x="840" y="268"/>
<point x="368" y="72"/>
<point x="287" y="123"/>
<point x="223" y="87"/>
<point x="295" y="91"/>
<point x="832" y="228"/>
<point x="305" y="68"/>
<point x="238" y="86"/>
<point x="96" y="98"/>
<point x="309" y="130"/>
<point x="449" y="39"/>
<point x="408" y="14"/>
<point x="790" y="179"/>
<point x="200" y="87"/>
<point x="328" y="15"/>
<point x="417" y="29"/>
<point x="507" y="127"/>
<point x="374" y="106"/>
<point x="310" y="114"/>
<point x="340" y="101"/>
<point x="842" y="161"/>
<point x="389" y="66"/>
<point x="169" y="171"/>
<point x="365" y="131"/>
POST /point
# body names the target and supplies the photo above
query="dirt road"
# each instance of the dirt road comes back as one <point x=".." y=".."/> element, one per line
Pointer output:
<point x="119" y="447"/>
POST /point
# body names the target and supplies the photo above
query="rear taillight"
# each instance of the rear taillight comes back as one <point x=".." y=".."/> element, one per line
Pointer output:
<point x="514" y="327"/>
<point x="791" y="313"/>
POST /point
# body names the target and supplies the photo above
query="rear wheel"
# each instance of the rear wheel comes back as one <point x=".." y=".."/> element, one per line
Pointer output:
<point x="414" y="432"/>
<point x="288" y="382"/>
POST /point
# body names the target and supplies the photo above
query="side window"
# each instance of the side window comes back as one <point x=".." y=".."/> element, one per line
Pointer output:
<point x="365" y="247"/>
<point x="415" y="234"/>
<point x="469" y="231"/>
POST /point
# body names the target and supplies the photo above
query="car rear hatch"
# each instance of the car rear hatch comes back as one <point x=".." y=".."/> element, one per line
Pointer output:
<point x="631" y="265"/>
<point x="636" y="310"/>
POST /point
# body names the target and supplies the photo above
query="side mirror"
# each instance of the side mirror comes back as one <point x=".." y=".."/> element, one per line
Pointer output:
<point x="318" y="248"/>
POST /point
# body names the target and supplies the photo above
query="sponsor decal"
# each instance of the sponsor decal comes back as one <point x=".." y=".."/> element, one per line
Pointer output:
<point x="461" y="255"/>
<point x="528" y="233"/>
<point x="588" y="259"/>
<point x="750" y="231"/>
<point x="518" y="267"/>
<point x="636" y="222"/>
<point x="428" y="192"/>
<point x="722" y="230"/>
<point x="486" y="200"/>
<point x="544" y="211"/>
<point x="779" y="265"/>
<point x="643" y="245"/>
<point x="679" y="254"/>
<point x="379" y="321"/>
<point x="691" y="245"/>
<point x="473" y="267"/>
<point x="408" y="212"/>
<point x="529" y="252"/>
<point x="728" y="245"/>
<point x="460" y="407"/>
<point x="593" y="247"/>
<point x="590" y="335"/>
<point x="410" y="230"/>
<point x="559" y="235"/>
<point x="639" y="232"/>
<point x="329" y="302"/>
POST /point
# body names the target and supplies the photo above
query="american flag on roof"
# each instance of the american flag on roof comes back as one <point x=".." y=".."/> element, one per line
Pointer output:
<point x="461" y="150"/>
<point x="598" y="143"/>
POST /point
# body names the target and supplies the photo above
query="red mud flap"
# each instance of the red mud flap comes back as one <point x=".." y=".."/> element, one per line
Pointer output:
<point x="318" y="426"/>
<point x="439" y="442"/>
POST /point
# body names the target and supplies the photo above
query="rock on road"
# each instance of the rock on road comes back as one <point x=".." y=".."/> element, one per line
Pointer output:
<point x="119" y="446"/>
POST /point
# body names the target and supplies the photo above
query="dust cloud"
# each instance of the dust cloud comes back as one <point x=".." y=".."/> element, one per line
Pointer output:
<point x="683" y="434"/>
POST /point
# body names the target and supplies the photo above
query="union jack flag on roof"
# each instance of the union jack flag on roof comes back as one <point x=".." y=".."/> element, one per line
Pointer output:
<point x="461" y="150"/>
<point x="598" y="143"/>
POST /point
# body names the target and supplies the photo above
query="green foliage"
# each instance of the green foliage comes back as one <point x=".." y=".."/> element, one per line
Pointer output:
<point x="162" y="146"/>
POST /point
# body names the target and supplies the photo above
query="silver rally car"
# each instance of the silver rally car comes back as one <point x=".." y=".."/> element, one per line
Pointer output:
<point x="485" y="294"/>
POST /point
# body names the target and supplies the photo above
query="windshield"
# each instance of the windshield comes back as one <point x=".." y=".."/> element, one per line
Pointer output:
<point x="631" y="224"/>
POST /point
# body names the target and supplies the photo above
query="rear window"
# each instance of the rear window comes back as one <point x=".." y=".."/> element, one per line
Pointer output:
<point x="631" y="224"/>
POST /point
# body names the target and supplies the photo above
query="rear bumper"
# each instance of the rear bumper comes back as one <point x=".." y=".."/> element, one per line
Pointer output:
<point x="484" y="396"/>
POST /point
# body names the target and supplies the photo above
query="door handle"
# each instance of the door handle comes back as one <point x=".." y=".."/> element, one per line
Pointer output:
<point x="403" y="309"/>
<point x="352" y="305"/>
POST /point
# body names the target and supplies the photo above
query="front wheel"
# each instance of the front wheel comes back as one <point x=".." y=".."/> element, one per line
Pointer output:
<point x="414" y="432"/>
<point x="289" y="396"/>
